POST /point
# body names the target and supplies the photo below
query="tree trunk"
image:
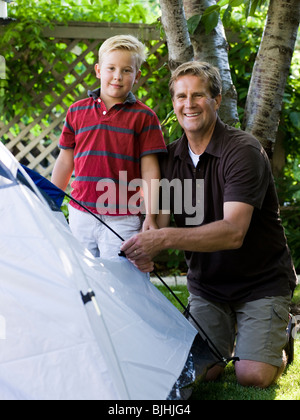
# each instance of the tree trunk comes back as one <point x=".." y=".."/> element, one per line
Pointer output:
<point x="176" y="29"/>
<point x="264" y="103"/>
<point x="213" y="48"/>
<point x="279" y="155"/>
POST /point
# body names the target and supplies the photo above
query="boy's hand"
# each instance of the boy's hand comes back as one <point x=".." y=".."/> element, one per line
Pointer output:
<point x="149" y="224"/>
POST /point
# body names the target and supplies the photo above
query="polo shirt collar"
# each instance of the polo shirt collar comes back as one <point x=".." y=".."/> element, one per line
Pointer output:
<point x="214" y="148"/>
<point x="216" y="143"/>
<point x="95" y="94"/>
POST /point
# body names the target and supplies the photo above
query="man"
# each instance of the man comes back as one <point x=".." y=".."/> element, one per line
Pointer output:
<point x="241" y="276"/>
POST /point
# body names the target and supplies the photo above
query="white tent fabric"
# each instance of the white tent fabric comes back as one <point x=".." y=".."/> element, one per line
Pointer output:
<point x="127" y="342"/>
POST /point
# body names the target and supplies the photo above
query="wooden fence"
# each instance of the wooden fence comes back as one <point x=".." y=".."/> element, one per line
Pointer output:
<point x="34" y="140"/>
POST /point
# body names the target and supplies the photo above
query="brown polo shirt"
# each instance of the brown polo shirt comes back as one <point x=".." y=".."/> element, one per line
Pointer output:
<point x="234" y="168"/>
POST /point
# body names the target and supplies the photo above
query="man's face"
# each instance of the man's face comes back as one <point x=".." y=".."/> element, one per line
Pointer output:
<point x="194" y="106"/>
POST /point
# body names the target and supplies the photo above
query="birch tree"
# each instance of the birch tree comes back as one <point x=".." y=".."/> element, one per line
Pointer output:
<point x="177" y="33"/>
<point x="271" y="69"/>
<point x="200" y="45"/>
<point x="210" y="44"/>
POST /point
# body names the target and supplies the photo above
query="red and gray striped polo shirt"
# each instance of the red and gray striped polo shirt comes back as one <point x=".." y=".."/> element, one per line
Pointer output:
<point x="108" y="147"/>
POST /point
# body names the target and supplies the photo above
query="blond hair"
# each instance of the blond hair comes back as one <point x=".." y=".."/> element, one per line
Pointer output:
<point x="125" y="43"/>
<point x="202" y="70"/>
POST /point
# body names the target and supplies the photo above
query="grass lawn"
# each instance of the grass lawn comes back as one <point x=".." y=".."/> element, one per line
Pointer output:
<point x="227" y="388"/>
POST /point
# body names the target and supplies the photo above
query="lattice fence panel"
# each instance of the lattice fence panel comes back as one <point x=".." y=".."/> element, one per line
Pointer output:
<point x="33" y="140"/>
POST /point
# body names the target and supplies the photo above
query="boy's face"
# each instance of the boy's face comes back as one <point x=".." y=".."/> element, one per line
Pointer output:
<point x="118" y="74"/>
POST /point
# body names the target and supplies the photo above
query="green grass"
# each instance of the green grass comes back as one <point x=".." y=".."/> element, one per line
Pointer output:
<point x="296" y="298"/>
<point x="227" y="388"/>
<point x="180" y="291"/>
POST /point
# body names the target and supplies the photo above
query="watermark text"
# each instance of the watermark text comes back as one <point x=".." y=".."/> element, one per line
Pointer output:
<point x="179" y="197"/>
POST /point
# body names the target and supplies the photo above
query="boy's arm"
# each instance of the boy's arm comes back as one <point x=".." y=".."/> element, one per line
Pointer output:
<point x="63" y="169"/>
<point x="163" y="220"/>
<point x="150" y="171"/>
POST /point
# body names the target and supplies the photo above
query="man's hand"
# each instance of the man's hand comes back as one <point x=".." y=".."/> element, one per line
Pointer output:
<point x="143" y="266"/>
<point x="142" y="248"/>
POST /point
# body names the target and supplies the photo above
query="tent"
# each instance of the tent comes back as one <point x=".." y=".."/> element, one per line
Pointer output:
<point x="73" y="327"/>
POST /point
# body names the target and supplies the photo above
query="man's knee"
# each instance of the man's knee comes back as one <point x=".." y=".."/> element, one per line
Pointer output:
<point x="257" y="374"/>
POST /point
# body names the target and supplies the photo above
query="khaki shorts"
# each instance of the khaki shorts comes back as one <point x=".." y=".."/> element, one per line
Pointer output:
<point x="250" y="331"/>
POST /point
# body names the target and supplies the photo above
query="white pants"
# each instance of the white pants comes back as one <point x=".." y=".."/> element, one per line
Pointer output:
<point x="96" y="237"/>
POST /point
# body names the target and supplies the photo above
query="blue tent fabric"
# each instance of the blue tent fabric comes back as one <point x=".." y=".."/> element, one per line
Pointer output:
<point x="6" y="177"/>
<point x="53" y="195"/>
<point x="5" y="173"/>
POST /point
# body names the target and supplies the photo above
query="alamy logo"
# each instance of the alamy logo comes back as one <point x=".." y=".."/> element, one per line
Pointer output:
<point x="2" y="68"/>
<point x="123" y="197"/>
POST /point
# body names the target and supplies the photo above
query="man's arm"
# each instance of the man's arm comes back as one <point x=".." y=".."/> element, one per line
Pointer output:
<point x="226" y="234"/>
<point x="63" y="169"/>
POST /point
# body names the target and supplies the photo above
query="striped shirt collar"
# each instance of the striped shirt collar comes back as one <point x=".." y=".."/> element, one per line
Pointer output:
<point x="95" y="94"/>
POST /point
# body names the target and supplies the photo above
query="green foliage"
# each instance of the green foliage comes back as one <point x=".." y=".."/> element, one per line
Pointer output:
<point x="288" y="183"/>
<point x="292" y="230"/>
<point x="172" y="127"/>
<point x="26" y="50"/>
<point x="193" y="23"/>
<point x="65" y="207"/>
<point x="244" y="36"/>
<point x="288" y="187"/>
<point x="290" y="125"/>
<point x="224" y="8"/>
<point x="49" y="11"/>
<point x="158" y="96"/>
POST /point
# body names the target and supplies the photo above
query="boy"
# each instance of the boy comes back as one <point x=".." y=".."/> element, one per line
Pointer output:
<point x="110" y="139"/>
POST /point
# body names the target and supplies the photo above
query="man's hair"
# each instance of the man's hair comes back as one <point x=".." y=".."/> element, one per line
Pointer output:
<point x="202" y="70"/>
<point x="125" y="43"/>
